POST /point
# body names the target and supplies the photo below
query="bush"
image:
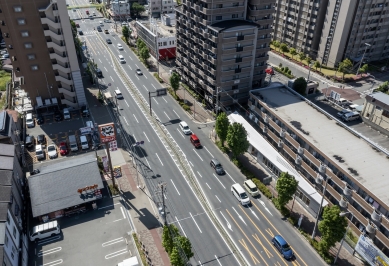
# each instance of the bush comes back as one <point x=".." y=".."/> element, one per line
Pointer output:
<point x="280" y="65"/>
<point x="265" y="191"/>
<point x="114" y="190"/>
<point x="292" y="220"/>
<point x="186" y="107"/>
<point x="138" y="246"/>
<point x="158" y="78"/>
<point x="289" y="72"/>
<point x="100" y="163"/>
<point x="283" y="72"/>
<point x="282" y="69"/>
<point x="286" y="69"/>
<point x="224" y="149"/>
<point x="328" y="258"/>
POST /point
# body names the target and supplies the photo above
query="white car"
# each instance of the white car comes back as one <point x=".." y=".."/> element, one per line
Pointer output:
<point x="120" y="47"/>
<point x="124" y="23"/>
<point x="139" y="72"/>
<point x="52" y="151"/>
<point x="185" y="128"/>
<point x="121" y="59"/>
<point x="101" y="23"/>
<point x="39" y="152"/>
<point x="5" y="56"/>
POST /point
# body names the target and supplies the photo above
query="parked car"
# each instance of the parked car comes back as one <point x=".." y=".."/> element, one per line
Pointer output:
<point x="80" y="32"/>
<point x="41" y="139"/>
<point x="77" y="25"/>
<point x="30" y="141"/>
<point x="5" y="56"/>
<point x="52" y="151"/>
<point x="139" y="72"/>
<point x="57" y="116"/>
<point x="99" y="28"/>
<point x="215" y="164"/>
<point x="185" y="128"/>
<point x="40" y="120"/>
<point x="63" y="148"/>
<point x="39" y="152"/>
<point x="84" y="111"/>
<point x="283" y="247"/>
<point x="344" y="111"/>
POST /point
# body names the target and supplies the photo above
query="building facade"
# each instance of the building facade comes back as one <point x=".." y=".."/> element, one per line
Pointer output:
<point x="160" y="7"/>
<point x="40" y="42"/>
<point x="222" y="47"/>
<point x="120" y="10"/>
<point x="375" y="112"/>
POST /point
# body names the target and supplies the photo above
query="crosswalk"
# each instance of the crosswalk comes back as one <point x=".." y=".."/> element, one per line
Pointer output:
<point x="92" y="32"/>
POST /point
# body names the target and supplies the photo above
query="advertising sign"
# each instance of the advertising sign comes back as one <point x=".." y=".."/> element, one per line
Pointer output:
<point x="117" y="171"/>
<point x="113" y="146"/>
<point x="107" y="132"/>
<point x="104" y="159"/>
<point x="373" y="255"/>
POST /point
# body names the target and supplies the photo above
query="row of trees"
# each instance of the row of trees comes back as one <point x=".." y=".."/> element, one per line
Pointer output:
<point x="143" y="51"/>
<point x="178" y="247"/>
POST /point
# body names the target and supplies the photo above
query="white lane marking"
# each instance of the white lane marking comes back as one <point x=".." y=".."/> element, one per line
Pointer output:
<point x="164" y="99"/>
<point x="228" y="224"/>
<point x="167" y="115"/>
<point x="116" y="253"/>
<point x="53" y="263"/>
<point x="155" y="100"/>
<point x="125" y="120"/>
<point x="218" y="198"/>
<point x="240" y="217"/>
<point x="124" y="216"/>
<point x="111" y="78"/>
<point x="208" y="186"/>
<point x="175" y="187"/>
<point x="130" y="57"/>
<point x="153" y="86"/>
<point x="178" y="116"/>
<point x="125" y="51"/>
<point x="135" y="118"/>
<point x="219" y="181"/>
<point x="218" y="260"/>
<point x="113" y="241"/>
<point x="100" y="60"/>
<point x="180" y="226"/>
<point x="200" y="263"/>
<point x="114" y="221"/>
<point x="195" y="223"/>
<point x="145" y="87"/>
<point x="159" y="158"/>
<point x="127" y="103"/>
<point x="263" y="204"/>
<point x="199" y="174"/>
<point x="145" y="76"/>
<point x="198" y="155"/>
<point x="108" y="206"/>
<point x="105" y="69"/>
<point x="50" y="251"/>
<point x="137" y="77"/>
<point x="146" y="136"/>
<point x="191" y="163"/>
<point x="253" y="213"/>
<point x="208" y="151"/>
<point x="136" y="66"/>
<point x="229" y="176"/>
<point x="130" y="67"/>
<point x="148" y="163"/>
<point x="179" y="131"/>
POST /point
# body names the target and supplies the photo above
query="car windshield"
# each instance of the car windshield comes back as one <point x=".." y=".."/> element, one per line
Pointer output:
<point x="253" y="189"/>
<point x="243" y="196"/>
<point x="63" y="148"/>
<point x="51" y="148"/>
<point x="29" y="120"/>
<point x="196" y="141"/>
<point x="38" y="152"/>
<point x="285" y="247"/>
<point x="185" y="127"/>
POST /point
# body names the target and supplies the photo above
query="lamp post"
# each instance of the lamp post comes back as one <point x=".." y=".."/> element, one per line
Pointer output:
<point x="348" y="226"/>
<point x="309" y="72"/>
<point x="363" y="56"/>
<point x="318" y="181"/>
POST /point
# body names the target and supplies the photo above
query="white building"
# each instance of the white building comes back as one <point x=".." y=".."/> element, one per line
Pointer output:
<point x="158" y="7"/>
<point x="120" y="8"/>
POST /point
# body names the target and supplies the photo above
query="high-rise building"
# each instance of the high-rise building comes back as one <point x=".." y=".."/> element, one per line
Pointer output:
<point x="330" y="31"/>
<point x="222" y="47"/>
<point x="39" y="39"/>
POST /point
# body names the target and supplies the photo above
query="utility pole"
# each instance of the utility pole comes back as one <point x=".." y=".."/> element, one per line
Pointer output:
<point x="162" y="210"/>
<point x="110" y="163"/>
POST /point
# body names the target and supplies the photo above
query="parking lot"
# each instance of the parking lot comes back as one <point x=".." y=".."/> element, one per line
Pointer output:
<point x="97" y="237"/>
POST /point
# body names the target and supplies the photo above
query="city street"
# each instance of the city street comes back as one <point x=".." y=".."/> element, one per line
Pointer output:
<point x="251" y="228"/>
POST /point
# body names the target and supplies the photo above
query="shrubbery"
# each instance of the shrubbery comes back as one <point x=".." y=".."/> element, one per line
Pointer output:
<point x="158" y="78"/>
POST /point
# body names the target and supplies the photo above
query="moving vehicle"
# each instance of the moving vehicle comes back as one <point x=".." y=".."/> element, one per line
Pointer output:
<point x="118" y="94"/>
<point x="45" y="230"/>
<point x="240" y="194"/>
<point x="106" y="31"/>
<point x="101" y="23"/>
<point x="73" y="143"/>
<point x="41" y="139"/>
<point x="84" y="142"/>
<point x="77" y="25"/>
<point x="66" y="114"/>
<point x="99" y="73"/>
<point x="195" y="141"/>
<point x="84" y="111"/>
<point x="63" y="148"/>
<point x="39" y="152"/>
<point x="283" y="247"/>
<point x="120" y="47"/>
<point x="80" y="32"/>
<point x="184" y="128"/>
<point x="52" y="151"/>
<point x="87" y="12"/>
<point x="215" y="164"/>
<point x="29" y="120"/>
<point x="251" y="187"/>
<point x="99" y="28"/>
<point x="121" y="59"/>
<point x="139" y="72"/>
<point x="109" y="41"/>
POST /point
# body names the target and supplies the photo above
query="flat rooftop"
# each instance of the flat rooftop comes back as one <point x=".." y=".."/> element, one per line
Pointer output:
<point x="163" y="30"/>
<point x="368" y="166"/>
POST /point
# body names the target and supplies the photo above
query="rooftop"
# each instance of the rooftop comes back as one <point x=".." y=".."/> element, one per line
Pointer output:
<point x="226" y="24"/>
<point x="5" y="177"/>
<point x="7" y="150"/>
<point x="359" y="159"/>
<point x="56" y="186"/>
<point x="379" y="96"/>
<point x="163" y="30"/>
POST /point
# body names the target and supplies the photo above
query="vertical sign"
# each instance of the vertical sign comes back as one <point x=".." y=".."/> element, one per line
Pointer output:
<point x="107" y="132"/>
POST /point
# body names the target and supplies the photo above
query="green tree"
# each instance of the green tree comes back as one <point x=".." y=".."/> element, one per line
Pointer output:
<point x="144" y="54"/>
<point x="276" y="44"/>
<point x="316" y="64"/>
<point x="286" y="187"/>
<point x="309" y="60"/>
<point x="300" y="85"/>
<point x="184" y="243"/>
<point x="140" y="44"/>
<point x="126" y="33"/>
<point x="364" y="69"/>
<point x="293" y="52"/>
<point x="284" y="48"/>
<point x="302" y="56"/>
<point x="175" y="82"/>
<point x="345" y="67"/>
<point x="137" y="8"/>
<point x="384" y="87"/>
<point x="237" y="139"/>
<point x="332" y="227"/>
<point x="221" y="127"/>
<point x="74" y="27"/>
<point x="175" y="258"/>
<point x="168" y="234"/>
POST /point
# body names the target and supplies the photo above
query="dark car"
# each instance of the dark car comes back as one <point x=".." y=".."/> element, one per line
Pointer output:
<point x="30" y="141"/>
<point x="283" y="247"/>
<point x="80" y="32"/>
<point x="63" y="148"/>
<point x="99" y="73"/>
<point x="84" y="111"/>
<point x="215" y="164"/>
<point x="99" y="28"/>
<point x="77" y="25"/>
<point x="57" y="116"/>
<point x="41" y="139"/>
<point x="40" y="120"/>
<point x="109" y="41"/>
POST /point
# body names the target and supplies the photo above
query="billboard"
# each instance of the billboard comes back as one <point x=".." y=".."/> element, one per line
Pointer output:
<point x="107" y="132"/>
<point x="373" y="255"/>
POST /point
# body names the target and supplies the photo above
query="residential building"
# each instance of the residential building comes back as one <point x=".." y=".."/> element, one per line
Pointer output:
<point x="160" y="7"/>
<point x="11" y="132"/>
<point x="324" y="150"/>
<point x="40" y="43"/>
<point x="222" y="47"/>
<point x="159" y="35"/>
<point x="375" y="112"/>
<point x="120" y="10"/>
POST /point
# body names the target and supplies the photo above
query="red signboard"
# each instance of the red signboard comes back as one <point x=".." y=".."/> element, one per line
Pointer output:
<point x="107" y="132"/>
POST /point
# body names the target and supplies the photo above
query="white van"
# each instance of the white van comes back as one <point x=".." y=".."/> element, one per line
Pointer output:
<point x="66" y="113"/>
<point x="121" y="59"/>
<point x="90" y="124"/>
<point x="240" y="194"/>
<point x="350" y="116"/>
<point x="84" y="142"/>
<point x="251" y="187"/>
<point x="29" y="120"/>
<point x="45" y="230"/>
<point x="118" y="94"/>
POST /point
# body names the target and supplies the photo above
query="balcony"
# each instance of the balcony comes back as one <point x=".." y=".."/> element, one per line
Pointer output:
<point x="212" y="59"/>
<point x="238" y="70"/>
<point x="212" y="71"/>
<point x="62" y="59"/>
<point x="239" y="49"/>
<point x="50" y="23"/>
<point x="64" y="80"/>
<point x="206" y="11"/>
<point x="67" y="92"/>
<point x="212" y="49"/>
<point x="61" y="68"/>
<point x="54" y="35"/>
<point x="259" y="12"/>
<point x="262" y="2"/>
<point x="69" y="103"/>
<point x="239" y="38"/>
<point x="224" y="10"/>
<point x="59" y="48"/>
<point x="238" y="59"/>
<point x="229" y="39"/>
<point x="210" y="90"/>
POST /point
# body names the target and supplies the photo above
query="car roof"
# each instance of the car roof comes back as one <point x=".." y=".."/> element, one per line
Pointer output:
<point x="183" y="123"/>
<point x="215" y="161"/>
<point x="280" y="240"/>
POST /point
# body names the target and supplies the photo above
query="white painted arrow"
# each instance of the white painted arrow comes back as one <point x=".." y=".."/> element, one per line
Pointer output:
<point x="263" y="204"/>
<point x="228" y="224"/>
<point x="240" y="217"/>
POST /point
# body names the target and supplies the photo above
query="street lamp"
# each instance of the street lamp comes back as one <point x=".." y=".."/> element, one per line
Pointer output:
<point x="318" y="181"/>
<point x="309" y="72"/>
<point x="363" y="56"/>
<point x="348" y="226"/>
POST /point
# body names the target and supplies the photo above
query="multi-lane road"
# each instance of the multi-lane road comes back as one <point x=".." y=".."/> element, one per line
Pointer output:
<point x="251" y="228"/>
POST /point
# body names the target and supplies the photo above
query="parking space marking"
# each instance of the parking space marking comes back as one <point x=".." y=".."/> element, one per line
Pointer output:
<point x="47" y="252"/>
<point x="56" y="262"/>
<point x="116" y="253"/>
<point x="124" y="216"/>
<point x="108" y="206"/>
<point x="111" y="242"/>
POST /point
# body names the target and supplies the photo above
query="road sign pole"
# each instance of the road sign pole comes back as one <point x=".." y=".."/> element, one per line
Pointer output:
<point x="110" y="163"/>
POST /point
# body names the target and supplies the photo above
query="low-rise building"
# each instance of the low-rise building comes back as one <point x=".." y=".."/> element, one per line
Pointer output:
<point x="376" y="112"/>
<point x="120" y="10"/>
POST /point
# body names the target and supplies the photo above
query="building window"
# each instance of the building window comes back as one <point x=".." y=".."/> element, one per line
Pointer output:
<point x="14" y="232"/>
<point x="16" y="209"/>
<point x="218" y="17"/>
<point x="6" y="240"/>
<point x="31" y="57"/>
<point x="385" y="113"/>
<point x="219" y="6"/>
<point x="8" y="221"/>
<point x="34" y="67"/>
<point x="17" y="8"/>
<point x="25" y="34"/>
<point x="28" y="45"/>
<point x="21" y="21"/>
<point x="235" y="4"/>
<point x="235" y="15"/>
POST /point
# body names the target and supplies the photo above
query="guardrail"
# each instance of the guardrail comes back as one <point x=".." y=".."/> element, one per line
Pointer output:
<point x="179" y="155"/>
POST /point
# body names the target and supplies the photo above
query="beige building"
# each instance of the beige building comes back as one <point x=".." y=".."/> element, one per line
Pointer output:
<point x="39" y="39"/>
<point x="222" y="47"/>
<point x="375" y="112"/>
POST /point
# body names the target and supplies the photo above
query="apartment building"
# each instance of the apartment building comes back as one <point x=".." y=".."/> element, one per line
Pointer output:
<point x="222" y="47"/>
<point x="322" y="150"/>
<point x="159" y="7"/>
<point x="39" y="39"/>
